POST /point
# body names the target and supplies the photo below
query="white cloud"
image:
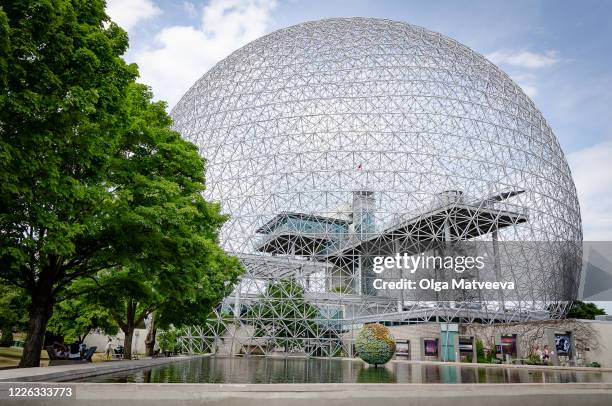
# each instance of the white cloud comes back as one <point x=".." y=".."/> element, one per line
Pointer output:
<point x="524" y="59"/>
<point x="522" y="65"/>
<point x="527" y="83"/>
<point x="181" y="54"/>
<point x="128" y="13"/>
<point x="592" y="173"/>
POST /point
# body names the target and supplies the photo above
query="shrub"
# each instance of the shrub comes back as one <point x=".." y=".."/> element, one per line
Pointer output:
<point x="168" y="339"/>
<point x="594" y="364"/>
<point x="375" y="344"/>
<point x="6" y="337"/>
<point x="533" y="359"/>
<point x="480" y="352"/>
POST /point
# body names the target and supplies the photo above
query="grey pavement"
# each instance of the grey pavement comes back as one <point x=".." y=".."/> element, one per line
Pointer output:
<point x="98" y="394"/>
<point x="77" y="371"/>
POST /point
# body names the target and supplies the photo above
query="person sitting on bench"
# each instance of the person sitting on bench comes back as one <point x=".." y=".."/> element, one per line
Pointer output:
<point x="60" y="351"/>
<point x="75" y="351"/>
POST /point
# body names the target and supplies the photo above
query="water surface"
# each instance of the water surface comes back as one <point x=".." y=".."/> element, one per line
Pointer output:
<point x="300" y="370"/>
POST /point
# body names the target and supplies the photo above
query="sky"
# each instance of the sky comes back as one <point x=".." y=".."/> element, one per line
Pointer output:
<point x="559" y="52"/>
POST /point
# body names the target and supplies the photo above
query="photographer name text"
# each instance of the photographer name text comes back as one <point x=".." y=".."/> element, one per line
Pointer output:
<point x="414" y="263"/>
<point x="432" y="284"/>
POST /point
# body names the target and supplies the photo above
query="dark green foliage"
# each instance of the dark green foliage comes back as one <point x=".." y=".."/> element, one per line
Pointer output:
<point x="582" y="310"/>
<point x="93" y="182"/>
<point x="480" y="352"/>
<point x="533" y="359"/>
<point x="170" y="259"/>
<point x="75" y="317"/>
<point x="168" y="339"/>
<point x="491" y="358"/>
<point x="63" y="83"/>
<point x="13" y="312"/>
<point x="485" y="357"/>
<point x="6" y="339"/>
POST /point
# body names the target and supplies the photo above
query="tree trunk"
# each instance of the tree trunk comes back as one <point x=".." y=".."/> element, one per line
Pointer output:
<point x="150" y="341"/>
<point x="40" y="313"/>
<point x="127" y="342"/>
<point x="128" y="329"/>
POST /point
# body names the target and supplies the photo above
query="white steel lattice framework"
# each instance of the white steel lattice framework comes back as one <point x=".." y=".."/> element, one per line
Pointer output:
<point x="333" y="141"/>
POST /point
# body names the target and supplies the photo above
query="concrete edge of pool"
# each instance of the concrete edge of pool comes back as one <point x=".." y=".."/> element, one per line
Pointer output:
<point x="80" y="371"/>
<point x="506" y="366"/>
<point x="327" y="394"/>
<point x="341" y="394"/>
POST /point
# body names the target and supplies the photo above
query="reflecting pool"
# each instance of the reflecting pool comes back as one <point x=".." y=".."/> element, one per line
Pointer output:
<point x="312" y="370"/>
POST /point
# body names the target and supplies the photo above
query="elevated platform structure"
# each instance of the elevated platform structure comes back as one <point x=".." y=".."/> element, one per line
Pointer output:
<point x="454" y="221"/>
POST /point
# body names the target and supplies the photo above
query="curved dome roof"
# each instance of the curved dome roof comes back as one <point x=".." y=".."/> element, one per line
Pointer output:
<point x="299" y="119"/>
<point x="393" y="106"/>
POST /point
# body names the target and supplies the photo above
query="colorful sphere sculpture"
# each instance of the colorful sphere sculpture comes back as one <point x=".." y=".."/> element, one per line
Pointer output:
<point x="375" y="344"/>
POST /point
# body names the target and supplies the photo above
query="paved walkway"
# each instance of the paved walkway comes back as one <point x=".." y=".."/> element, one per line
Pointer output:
<point x="71" y="372"/>
<point x="104" y="394"/>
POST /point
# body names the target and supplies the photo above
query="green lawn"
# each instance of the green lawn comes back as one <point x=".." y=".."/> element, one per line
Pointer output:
<point x="9" y="357"/>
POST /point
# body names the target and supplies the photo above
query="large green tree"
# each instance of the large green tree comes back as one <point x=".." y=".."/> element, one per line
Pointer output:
<point x="192" y="304"/>
<point x="92" y="180"/>
<point x="173" y="263"/>
<point x="75" y="317"/>
<point x="177" y="296"/>
<point x="63" y="84"/>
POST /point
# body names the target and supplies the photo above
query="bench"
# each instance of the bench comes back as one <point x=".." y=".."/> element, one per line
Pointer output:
<point x="55" y="360"/>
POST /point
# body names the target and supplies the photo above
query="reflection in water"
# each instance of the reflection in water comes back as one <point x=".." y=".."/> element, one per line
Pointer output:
<point x="375" y="375"/>
<point x="300" y="370"/>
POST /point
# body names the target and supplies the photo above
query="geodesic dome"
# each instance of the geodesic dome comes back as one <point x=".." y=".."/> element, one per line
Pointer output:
<point x="332" y="141"/>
